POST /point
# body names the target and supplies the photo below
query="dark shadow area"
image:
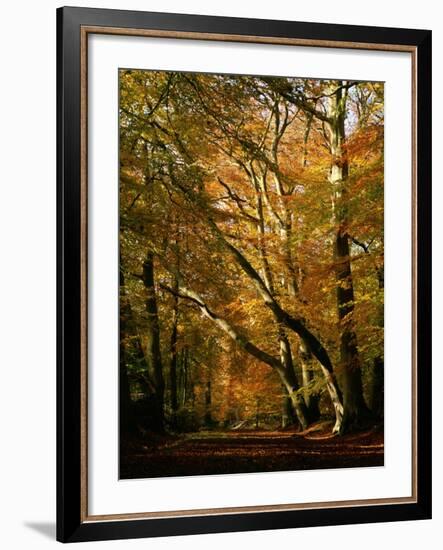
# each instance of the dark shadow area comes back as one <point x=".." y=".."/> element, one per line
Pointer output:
<point x="44" y="528"/>
<point x="207" y="453"/>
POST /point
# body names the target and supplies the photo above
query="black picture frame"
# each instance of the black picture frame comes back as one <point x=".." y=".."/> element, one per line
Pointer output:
<point x="72" y="525"/>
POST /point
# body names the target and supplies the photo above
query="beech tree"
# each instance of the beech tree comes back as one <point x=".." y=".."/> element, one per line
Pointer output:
<point x="251" y="216"/>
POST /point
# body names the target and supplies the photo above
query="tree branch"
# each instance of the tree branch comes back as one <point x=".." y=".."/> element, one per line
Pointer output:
<point x="231" y="331"/>
<point x="281" y="316"/>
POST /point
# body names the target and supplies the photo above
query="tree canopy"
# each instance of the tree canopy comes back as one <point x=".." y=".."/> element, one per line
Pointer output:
<point x="251" y="251"/>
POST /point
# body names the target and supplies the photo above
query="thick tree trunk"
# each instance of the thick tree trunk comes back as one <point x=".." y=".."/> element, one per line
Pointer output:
<point x="349" y="373"/>
<point x="376" y="400"/>
<point x="153" y="354"/>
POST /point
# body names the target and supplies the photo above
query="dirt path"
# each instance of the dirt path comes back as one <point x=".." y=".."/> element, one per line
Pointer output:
<point x="241" y="452"/>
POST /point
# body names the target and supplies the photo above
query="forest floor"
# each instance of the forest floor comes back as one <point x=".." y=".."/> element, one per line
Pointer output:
<point x="220" y="452"/>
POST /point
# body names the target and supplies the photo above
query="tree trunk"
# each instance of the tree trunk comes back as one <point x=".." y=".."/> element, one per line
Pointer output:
<point x="183" y="377"/>
<point x="349" y="373"/>
<point x="311" y="399"/>
<point x="288" y="414"/>
<point x="266" y="269"/>
<point x="153" y="354"/>
<point x="291" y="276"/>
<point x="290" y="381"/>
<point x="126" y="412"/>
<point x="208" y="405"/>
<point x="127" y="424"/>
<point x="376" y="402"/>
<point x="173" y="363"/>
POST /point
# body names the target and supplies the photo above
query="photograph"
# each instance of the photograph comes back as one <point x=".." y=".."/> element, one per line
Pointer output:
<point x="251" y="273"/>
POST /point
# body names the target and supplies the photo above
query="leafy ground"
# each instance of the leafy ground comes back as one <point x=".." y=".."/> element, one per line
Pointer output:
<point x="205" y="453"/>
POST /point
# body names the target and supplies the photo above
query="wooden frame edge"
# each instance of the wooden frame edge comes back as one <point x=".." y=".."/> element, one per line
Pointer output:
<point x="189" y="35"/>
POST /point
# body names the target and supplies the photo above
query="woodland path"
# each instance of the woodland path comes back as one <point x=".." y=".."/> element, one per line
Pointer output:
<point x="204" y="453"/>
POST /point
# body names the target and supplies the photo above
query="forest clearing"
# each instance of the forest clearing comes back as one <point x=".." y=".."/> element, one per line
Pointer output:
<point x="251" y="273"/>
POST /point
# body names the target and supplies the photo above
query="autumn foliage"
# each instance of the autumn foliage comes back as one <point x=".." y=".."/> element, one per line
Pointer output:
<point x="251" y="253"/>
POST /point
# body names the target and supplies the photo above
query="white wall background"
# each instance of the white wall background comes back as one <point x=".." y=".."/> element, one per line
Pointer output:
<point x="27" y="286"/>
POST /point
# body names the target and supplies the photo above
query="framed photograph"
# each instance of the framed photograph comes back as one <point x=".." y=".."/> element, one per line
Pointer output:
<point x="244" y="274"/>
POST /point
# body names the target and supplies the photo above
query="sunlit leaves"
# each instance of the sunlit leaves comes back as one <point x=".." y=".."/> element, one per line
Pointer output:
<point x="249" y="156"/>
